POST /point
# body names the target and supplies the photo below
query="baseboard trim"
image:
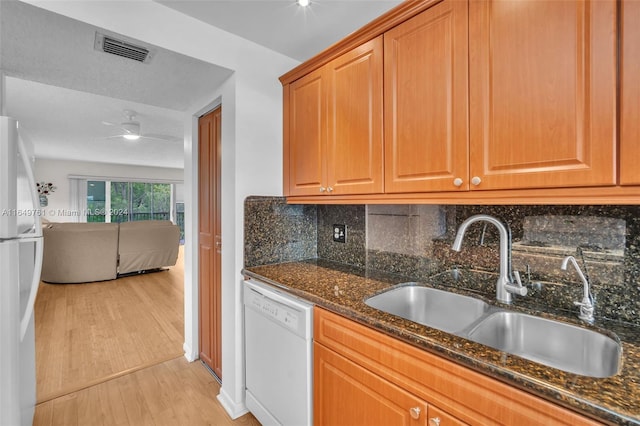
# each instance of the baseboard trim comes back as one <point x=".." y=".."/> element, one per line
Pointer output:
<point x="189" y="353"/>
<point x="233" y="409"/>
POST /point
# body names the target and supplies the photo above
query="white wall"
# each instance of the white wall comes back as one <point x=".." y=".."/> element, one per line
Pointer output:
<point x="58" y="172"/>
<point x="251" y="148"/>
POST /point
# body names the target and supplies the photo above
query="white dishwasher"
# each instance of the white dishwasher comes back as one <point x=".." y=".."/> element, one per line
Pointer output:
<point x="278" y="355"/>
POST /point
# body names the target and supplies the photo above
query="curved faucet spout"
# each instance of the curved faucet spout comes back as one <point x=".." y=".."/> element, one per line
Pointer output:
<point x="586" y="305"/>
<point x="506" y="284"/>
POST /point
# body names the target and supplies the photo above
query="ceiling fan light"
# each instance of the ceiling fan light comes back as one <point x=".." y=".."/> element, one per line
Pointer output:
<point x="131" y="137"/>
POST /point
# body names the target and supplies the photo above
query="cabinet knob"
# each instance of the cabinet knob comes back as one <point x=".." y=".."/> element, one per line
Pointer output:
<point x="329" y="189"/>
<point x="434" y="421"/>
<point x="476" y="180"/>
<point x="322" y="189"/>
<point x="457" y="182"/>
<point x="415" y="412"/>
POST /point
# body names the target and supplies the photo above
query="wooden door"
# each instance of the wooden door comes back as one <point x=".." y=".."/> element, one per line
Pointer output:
<point x="425" y="89"/>
<point x="542" y="93"/>
<point x="355" y="144"/>
<point x="346" y="394"/>
<point x="630" y="93"/>
<point x="209" y="240"/>
<point x="305" y="149"/>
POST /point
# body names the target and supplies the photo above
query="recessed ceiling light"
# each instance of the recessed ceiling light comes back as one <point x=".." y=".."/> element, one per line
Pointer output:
<point x="303" y="3"/>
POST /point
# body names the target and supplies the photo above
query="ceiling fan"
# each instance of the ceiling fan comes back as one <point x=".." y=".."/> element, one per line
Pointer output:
<point x="130" y="129"/>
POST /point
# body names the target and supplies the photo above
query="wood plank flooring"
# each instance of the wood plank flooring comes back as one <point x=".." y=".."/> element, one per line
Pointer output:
<point x="110" y="353"/>
<point x="88" y="333"/>
<point x="171" y="393"/>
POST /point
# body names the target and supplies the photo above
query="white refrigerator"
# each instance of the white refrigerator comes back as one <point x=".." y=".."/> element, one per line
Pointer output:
<point x="20" y="265"/>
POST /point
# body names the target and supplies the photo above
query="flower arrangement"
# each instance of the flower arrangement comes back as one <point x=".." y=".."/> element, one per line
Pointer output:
<point x="45" y="188"/>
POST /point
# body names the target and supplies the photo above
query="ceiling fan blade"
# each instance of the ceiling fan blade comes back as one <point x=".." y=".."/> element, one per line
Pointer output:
<point x="166" y="138"/>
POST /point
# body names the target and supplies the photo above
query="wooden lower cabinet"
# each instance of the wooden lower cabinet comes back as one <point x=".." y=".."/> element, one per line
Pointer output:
<point x="348" y="394"/>
<point x="365" y="377"/>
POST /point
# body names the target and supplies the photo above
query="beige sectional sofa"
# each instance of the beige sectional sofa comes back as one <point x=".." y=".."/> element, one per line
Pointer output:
<point x="86" y="252"/>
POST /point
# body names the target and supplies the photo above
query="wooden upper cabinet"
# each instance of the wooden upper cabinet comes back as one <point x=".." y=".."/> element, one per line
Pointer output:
<point x="426" y="100"/>
<point x="355" y="144"/>
<point x="305" y="165"/>
<point x="630" y="93"/>
<point x="335" y="125"/>
<point x="542" y="93"/>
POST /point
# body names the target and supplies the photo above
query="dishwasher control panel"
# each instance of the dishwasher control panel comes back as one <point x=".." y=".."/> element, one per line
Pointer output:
<point x="273" y="310"/>
<point x="279" y="307"/>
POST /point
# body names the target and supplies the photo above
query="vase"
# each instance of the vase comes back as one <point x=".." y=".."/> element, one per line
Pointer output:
<point x="44" y="202"/>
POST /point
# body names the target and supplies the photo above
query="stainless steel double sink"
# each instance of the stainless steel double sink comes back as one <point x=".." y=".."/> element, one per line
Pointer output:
<point x="553" y="343"/>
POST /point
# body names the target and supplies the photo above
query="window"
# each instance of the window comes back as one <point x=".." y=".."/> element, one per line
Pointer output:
<point x="111" y="201"/>
<point x="103" y="199"/>
<point x="118" y="201"/>
<point x="96" y="199"/>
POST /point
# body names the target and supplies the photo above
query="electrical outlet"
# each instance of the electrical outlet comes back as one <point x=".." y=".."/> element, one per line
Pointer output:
<point x="340" y="233"/>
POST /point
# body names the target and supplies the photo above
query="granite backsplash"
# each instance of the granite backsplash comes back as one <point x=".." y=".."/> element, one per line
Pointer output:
<point x="415" y="241"/>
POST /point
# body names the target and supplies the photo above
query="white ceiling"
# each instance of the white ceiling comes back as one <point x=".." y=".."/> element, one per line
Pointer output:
<point x="282" y="25"/>
<point x="61" y="89"/>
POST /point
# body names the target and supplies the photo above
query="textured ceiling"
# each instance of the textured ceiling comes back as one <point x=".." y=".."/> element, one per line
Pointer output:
<point x="61" y="89"/>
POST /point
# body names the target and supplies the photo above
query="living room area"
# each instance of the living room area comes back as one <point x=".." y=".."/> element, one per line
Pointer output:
<point x="111" y="341"/>
<point x="110" y="302"/>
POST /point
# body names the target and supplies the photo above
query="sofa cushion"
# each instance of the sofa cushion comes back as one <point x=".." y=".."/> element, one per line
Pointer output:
<point x="79" y="252"/>
<point x="147" y="244"/>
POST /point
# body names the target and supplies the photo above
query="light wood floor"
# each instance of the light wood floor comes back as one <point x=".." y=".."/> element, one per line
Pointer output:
<point x="171" y="393"/>
<point x="88" y="333"/>
<point x="111" y="353"/>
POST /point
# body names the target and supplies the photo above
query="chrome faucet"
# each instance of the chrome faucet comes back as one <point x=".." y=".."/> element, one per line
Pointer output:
<point x="506" y="285"/>
<point x="586" y="306"/>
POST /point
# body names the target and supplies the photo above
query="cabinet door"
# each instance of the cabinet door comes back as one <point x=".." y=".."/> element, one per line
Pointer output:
<point x="630" y="93"/>
<point x="346" y="394"/>
<point x="354" y="145"/>
<point x="307" y="111"/>
<point x="426" y="130"/>
<point x="542" y="93"/>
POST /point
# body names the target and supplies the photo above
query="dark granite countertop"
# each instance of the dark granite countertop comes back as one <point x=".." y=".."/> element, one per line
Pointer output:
<point x="343" y="289"/>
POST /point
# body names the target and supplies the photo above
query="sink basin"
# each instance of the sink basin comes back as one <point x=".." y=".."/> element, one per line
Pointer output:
<point x="446" y="311"/>
<point x="555" y="344"/>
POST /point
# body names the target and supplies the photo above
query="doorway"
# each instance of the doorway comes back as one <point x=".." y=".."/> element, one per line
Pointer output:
<point x="209" y="240"/>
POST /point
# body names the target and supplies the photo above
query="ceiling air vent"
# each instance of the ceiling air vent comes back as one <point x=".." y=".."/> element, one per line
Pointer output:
<point x="121" y="48"/>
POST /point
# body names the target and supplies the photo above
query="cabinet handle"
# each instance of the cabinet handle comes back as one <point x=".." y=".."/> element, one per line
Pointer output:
<point x="322" y="189"/>
<point x="329" y="189"/>
<point x="434" y="421"/>
<point x="415" y="412"/>
<point x="476" y="180"/>
<point x="457" y="182"/>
